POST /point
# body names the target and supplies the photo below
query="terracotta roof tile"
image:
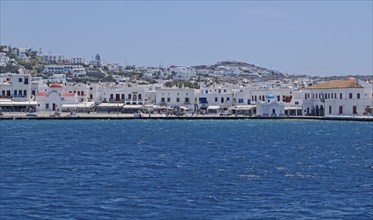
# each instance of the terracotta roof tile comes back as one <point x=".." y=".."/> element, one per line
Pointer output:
<point x="42" y="94"/>
<point x="336" y="84"/>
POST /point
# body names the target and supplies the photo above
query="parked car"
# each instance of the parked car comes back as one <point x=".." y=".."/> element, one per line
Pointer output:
<point x="31" y="115"/>
<point x="224" y="113"/>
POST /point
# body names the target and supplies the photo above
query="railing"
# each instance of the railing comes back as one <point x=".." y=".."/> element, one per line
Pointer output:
<point x="6" y="97"/>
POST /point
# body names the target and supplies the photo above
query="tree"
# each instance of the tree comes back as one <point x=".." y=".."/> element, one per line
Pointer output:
<point x="9" y="69"/>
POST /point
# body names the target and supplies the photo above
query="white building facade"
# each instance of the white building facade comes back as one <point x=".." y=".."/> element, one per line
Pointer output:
<point x="338" y="97"/>
<point x="4" y="59"/>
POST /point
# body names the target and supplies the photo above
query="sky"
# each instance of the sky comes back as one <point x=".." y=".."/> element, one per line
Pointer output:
<point x="322" y="38"/>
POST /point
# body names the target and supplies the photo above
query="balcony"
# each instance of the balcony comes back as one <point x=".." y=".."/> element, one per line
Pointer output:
<point x="6" y="97"/>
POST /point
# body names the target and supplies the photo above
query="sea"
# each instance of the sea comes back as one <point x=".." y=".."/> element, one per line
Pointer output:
<point x="186" y="169"/>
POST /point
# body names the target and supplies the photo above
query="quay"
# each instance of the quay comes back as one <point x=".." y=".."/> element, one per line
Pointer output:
<point x="143" y="116"/>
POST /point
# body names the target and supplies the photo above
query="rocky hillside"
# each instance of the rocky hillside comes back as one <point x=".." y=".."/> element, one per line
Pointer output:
<point x="240" y="69"/>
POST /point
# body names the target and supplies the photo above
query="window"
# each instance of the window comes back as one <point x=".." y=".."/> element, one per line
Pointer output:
<point x="47" y="106"/>
<point x="216" y="99"/>
<point x="139" y="96"/>
<point x="122" y="96"/>
<point x="330" y="109"/>
<point x="240" y="100"/>
<point x="340" y="109"/>
<point x="222" y="99"/>
<point x="111" y="96"/>
<point x="25" y="93"/>
<point x="15" y="92"/>
<point x="225" y="90"/>
<point x="350" y="95"/>
<point x="358" y="95"/>
<point x="228" y="99"/>
<point x="162" y="99"/>
<point x="129" y="96"/>
<point x="340" y="95"/>
<point x="168" y="99"/>
<point x="297" y="103"/>
<point x="20" y="80"/>
<point x="186" y="99"/>
<point x="26" y="81"/>
<point x="177" y="99"/>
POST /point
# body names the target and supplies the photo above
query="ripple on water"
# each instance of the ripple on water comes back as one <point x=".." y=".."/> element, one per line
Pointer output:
<point x="186" y="170"/>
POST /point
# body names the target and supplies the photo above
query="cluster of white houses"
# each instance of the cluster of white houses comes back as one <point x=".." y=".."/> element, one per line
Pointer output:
<point x="21" y="92"/>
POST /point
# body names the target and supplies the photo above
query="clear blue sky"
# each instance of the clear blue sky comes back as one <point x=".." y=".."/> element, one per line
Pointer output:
<point x="306" y="37"/>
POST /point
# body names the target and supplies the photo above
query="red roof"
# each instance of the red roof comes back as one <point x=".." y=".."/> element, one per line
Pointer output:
<point x="55" y="85"/>
<point x="42" y="94"/>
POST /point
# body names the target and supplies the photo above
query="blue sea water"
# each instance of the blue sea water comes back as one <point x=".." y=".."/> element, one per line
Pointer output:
<point x="145" y="169"/>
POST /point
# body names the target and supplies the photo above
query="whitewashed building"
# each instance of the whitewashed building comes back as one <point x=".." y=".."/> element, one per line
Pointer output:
<point x="55" y="58"/>
<point x="77" y="60"/>
<point x="75" y="70"/>
<point x="175" y="97"/>
<point x="22" y="54"/>
<point x="338" y="97"/>
<point x="15" y="92"/>
<point x="123" y="93"/>
<point x="4" y="59"/>
<point x="182" y="73"/>
<point x="270" y="107"/>
<point x="54" y="97"/>
<point x="58" y="78"/>
<point x="216" y="97"/>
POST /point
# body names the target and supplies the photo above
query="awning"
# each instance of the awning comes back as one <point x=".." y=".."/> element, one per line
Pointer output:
<point x="132" y="106"/>
<point x="242" y="107"/>
<point x="69" y="106"/>
<point x="110" y="105"/>
<point x="14" y="103"/>
<point x="163" y="107"/>
<point x="148" y="106"/>
<point x="293" y="108"/>
<point x="213" y="107"/>
<point x="184" y="108"/>
<point x="86" y="104"/>
<point x="79" y="105"/>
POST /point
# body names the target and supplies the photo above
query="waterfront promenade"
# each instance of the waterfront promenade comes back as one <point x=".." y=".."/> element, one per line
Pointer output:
<point x="117" y="116"/>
